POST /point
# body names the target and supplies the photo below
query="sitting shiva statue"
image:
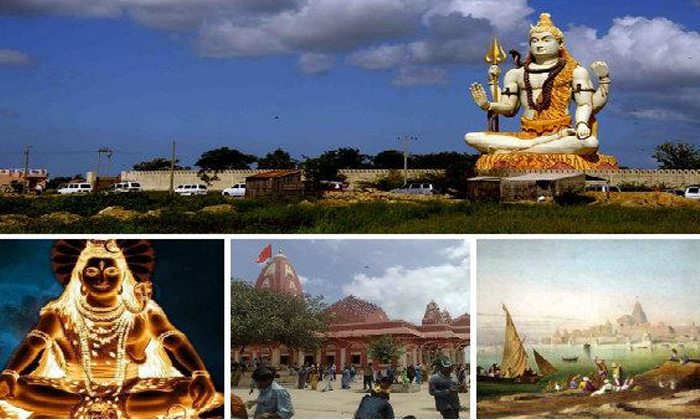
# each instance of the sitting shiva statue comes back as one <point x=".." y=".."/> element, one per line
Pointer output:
<point x="544" y="85"/>
<point x="104" y="349"/>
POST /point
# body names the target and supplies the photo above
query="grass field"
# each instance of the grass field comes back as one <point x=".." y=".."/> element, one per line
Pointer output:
<point x="160" y="213"/>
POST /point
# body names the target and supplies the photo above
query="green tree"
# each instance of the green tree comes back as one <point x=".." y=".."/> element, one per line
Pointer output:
<point x="677" y="156"/>
<point x="53" y="183"/>
<point x="388" y="159"/>
<point x="156" y="164"/>
<point x="326" y="166"/>
<point x="277" y="159"/>
<point x="265" y="316"/>
<point x="385" y="350"/>
<point x="223" y="158"/>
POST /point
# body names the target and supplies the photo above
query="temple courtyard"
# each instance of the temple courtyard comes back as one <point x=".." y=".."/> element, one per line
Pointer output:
<point x="342" y="403"/>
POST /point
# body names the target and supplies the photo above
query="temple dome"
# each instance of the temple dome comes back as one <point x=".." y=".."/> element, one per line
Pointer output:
<point x="354" y="310"/>
<point x="462" y="320"/>
<point x="433" y="315"/>
<point x="280" y="276"/>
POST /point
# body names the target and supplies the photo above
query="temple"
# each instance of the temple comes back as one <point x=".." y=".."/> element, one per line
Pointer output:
<point x="356" y="324"/>
<point x="630" y="328"/>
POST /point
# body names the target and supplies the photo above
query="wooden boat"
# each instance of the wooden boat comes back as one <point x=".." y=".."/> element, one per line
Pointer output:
<point x="569" y="359"/>
<point x="514" y="364"/>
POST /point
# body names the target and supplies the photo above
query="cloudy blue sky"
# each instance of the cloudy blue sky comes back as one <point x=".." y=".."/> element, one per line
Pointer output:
<point x="400" y="275"/>
<point x="549" y="284"/>
<point x="311" y="75"/>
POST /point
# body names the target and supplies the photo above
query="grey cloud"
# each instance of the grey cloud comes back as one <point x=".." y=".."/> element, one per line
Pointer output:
<point x="316" y="63"/>
<point x="409" y="76"/>
<point x="9" y="113"/>
<point x="379" y="58"/>
<point x="14" y="58"/>
<point x="96" y="8"/>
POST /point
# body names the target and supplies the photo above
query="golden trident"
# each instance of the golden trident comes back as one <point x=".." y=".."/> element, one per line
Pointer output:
<point x="494" y="56"/>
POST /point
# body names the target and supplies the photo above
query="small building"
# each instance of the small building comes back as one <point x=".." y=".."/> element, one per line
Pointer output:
<point x="484" y="189"/>
<point x="11" y="177"/>
<point x="282" y="182"/>
<point x="527" y="187"/>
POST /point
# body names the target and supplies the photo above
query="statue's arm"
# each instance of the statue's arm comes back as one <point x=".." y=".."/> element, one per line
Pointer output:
<point x="583" y="95"/>
<point x="46" y="330"/>
<point x="509" y="99"/>
<point x="201" y="388"/>
<point x="174" y="341"/>
<point x="600" y="97"/>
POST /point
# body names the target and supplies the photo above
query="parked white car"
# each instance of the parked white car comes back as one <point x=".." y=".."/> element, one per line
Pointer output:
<point x="415" y="188"/>
<point x="693" y="192"/>
<point x="237" y="190"/>
<point x="603" y="188"/>
<point x="76" y="188"/>
<point x="126" y="186"/>
<point x="191" y="189"/>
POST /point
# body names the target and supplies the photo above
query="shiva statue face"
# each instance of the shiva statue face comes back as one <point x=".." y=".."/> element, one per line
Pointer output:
<point x="544" y="45"/>
<point x="101" y="277"/>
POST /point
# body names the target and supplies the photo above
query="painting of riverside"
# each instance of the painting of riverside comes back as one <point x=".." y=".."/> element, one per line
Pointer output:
<point x="588" y="329"/>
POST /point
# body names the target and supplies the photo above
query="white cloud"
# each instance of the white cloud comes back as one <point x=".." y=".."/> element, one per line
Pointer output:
<point x="14" y="58"/>
<point x="641" y="51"/>
<point x="660" y="114"/>
<point x="655" y="59"/>
<point x="379" y="58"/>
<point x="404" y="293"/>
<point x="311" y="63"/>
<point x="409" y="76"/>
<point x="459" y="252"/>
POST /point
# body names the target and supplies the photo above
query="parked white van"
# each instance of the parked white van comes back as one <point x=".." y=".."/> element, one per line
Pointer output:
<point x="126" y="186"/>
<point x="76" y="188"/>
<point x="191" y="189"/>
<point x="693" y="192"/>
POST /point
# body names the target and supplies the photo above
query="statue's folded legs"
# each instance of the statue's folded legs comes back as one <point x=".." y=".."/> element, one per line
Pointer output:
<point x="561" y="142"/>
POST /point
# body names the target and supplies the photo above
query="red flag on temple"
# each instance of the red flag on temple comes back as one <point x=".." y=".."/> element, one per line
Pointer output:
<point x="265" y="254"/>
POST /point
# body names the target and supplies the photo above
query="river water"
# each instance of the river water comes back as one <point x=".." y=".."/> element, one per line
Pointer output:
<point x="633" y="359"/>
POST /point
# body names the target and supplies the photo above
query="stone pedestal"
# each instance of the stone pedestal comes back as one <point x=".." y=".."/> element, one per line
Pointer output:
<point x="492" y="163"/>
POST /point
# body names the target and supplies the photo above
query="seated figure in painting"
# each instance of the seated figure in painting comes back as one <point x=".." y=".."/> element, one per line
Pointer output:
<point x="104" y="349"/>
<point x="544" y="86"/>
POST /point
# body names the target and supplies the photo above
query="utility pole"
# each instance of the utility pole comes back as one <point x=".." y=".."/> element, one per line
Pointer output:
<point x="172" y="169"/>
<point x="25" y="184"/>
<point x="405" y="155"/>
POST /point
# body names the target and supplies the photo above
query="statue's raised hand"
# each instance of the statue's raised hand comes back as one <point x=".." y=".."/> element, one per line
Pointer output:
<point x="8" y="384"/>
<point x="479" y="95"/>
<point x="143" y="293"/>
<point x="201" y="391"/>
<point x="600" y="68"/>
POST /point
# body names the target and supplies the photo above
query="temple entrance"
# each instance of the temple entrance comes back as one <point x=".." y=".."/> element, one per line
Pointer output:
<point x="355" y="359"/>
<point x="309" y="360"/>
<point x="284" y="360"/>
<point x="330" y="359"/>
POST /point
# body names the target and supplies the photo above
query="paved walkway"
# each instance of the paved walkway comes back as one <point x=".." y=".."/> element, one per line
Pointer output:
<point x="342" y="403"/>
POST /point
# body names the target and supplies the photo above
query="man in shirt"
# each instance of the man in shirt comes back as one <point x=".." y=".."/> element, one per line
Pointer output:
<point x="367" y="375"/>
<point x="444" y="387"/>
<point x="376" y="404"/>
<point x="273" y="400"/>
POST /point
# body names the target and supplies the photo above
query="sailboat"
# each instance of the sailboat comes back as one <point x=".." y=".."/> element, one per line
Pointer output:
<point x="514" y="366"/>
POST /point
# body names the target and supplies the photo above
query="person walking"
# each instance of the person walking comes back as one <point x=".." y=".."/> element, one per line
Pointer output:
<point x="367" y="375"/>
<point x="444" y="388"/>
<point x="274" y="402"/>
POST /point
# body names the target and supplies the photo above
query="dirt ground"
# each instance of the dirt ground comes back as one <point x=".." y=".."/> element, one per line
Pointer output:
<point x="342" y="403"/>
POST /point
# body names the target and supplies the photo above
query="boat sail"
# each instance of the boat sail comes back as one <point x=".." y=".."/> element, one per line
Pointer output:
<point x="543" y="365"/>
<point x="514" y="361"/>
